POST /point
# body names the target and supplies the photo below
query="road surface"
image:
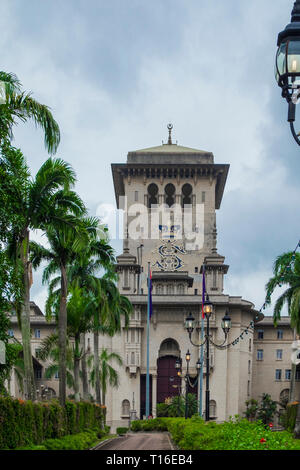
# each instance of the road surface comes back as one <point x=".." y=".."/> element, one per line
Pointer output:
<point x="140" y="441"/>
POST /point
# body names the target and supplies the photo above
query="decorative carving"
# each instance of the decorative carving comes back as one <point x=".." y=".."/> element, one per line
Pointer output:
<point x="168" y="252"/>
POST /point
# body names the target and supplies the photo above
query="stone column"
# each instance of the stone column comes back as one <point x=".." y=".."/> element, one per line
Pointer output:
<point x="154" y="394"/>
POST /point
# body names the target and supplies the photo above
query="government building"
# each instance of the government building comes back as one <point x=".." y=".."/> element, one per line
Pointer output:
<point x="170" y="195"/>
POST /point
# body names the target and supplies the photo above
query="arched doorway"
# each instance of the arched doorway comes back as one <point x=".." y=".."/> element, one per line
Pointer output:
<point x="168" y="382"/>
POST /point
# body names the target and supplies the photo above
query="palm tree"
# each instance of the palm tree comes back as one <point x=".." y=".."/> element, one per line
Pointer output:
<point x="50" y="350"/>
<point x="41" y="201"/>
<point x="110" y="308"/>
<point x="20" y="106"/>
<point x="79" y="322"/>
<point x="286" y="271"/>
<point x="108" y="375"/>
<point x="83" y="273"/>
<point x="65" y="244"/>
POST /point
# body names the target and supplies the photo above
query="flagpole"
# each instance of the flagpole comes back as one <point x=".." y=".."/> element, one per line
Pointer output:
<point x="201" y="369"/>
<point x="148" y="328"/>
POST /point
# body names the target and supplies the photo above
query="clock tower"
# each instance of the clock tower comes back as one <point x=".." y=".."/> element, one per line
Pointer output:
<point x="170" y="195"/>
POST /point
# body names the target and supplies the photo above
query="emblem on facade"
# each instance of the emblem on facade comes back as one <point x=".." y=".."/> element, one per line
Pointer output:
<point x="169" y="253"/>
<point x="169" y="232"/>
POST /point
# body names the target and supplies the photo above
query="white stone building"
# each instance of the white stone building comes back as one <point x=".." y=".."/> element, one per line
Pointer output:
<point x="168" y="175"/>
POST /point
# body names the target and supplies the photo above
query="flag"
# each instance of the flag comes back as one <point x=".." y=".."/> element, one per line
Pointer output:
<point x="203" y="290"/>
<point x="150" y="293"/>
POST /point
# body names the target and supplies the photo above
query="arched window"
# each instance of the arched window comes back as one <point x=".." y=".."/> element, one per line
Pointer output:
<point x="186" y="194"/>
<point x="125" y="408"/>
<point x="212" y="409"/>
<point x="169" y="347"/>
<point x="152" y="195"/>
<point x="170" y="194"/>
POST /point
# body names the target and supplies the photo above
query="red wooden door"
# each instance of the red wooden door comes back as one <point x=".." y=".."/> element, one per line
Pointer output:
<point x="168" y="382"/>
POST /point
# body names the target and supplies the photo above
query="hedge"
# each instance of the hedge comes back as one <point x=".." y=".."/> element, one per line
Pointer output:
<point x="81" y="441"/>
<point x="24" y="423"/>
<point x="238" y="434"/>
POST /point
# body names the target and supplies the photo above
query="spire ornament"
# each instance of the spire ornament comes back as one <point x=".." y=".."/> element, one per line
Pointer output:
<point x="170" y="127"/>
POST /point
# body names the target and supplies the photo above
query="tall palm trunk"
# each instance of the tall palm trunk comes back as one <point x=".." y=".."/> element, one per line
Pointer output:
<point x="293" y="377"/>
<point x="85" y="383"/>
<point x="96" y="365"/>
<point x="30" y="389"/>
<point x="297" y="423"/>
<point x="62" y="336"/>
<point x="76" y="368"/>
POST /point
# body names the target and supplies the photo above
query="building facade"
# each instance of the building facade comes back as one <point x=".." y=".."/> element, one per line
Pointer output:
<point x="149" y="186"/>
<point x="170" y="195"/>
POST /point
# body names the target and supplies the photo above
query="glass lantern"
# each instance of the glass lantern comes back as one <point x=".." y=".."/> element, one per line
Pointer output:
<point x="207" y="307"/>
<point x="287" y="67"/>
<point x="226" y="323"/>
<point x="188" y="356"/>
<point x="190" y="323"/>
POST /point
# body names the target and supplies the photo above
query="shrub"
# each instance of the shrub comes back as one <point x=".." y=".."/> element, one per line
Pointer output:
<point x="80" y="441"/>
<point x="267" y="409"/>
<point x="122" y="431"/>
<point x="23" y="423"/>
<point x="175" y="407"/>
<point x="162" y="410"/>
<point x="236" y="434"/>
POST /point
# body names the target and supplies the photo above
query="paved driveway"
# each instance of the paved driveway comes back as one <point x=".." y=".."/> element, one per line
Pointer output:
<point x="140" y="441"/>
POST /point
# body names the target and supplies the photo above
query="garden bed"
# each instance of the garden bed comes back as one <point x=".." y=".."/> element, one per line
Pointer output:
<point x="236" y="434"/>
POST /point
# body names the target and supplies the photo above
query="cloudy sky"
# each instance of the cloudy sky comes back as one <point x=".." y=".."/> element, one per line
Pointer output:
<point x="115" y="72"/>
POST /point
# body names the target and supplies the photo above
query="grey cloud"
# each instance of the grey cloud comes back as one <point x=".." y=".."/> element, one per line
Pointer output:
<point x="115" y="72"/>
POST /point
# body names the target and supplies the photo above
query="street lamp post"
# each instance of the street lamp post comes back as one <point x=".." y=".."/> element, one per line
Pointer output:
<point x="190" y="326"/>
<point x="287" y="68"/>
<point x="187" y="358"/>
<point x="178" y="369"/>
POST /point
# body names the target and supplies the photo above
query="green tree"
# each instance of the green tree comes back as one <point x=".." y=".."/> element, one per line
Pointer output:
<point x="110" y="309"/>
<point x="81" y="273"/>
<point x="38" y="202"/>
<point x="108" y="375"/>
<point x="21" y="106"/>
<point x="286" y="272"/>
<point x="267" y="409"/>
<point x="79" y="322"/>
<point x="50" y="350"/>
<point x="66" y="242"/>
<point x="251" y="410"/>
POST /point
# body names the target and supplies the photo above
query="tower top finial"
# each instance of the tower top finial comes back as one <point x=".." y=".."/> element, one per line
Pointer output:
<point x="170" y="127"/>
